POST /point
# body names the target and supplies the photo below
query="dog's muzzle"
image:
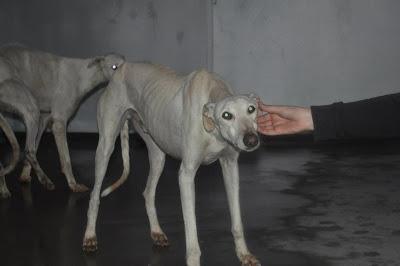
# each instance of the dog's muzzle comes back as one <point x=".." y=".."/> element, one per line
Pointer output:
<point x="250" y="140"/>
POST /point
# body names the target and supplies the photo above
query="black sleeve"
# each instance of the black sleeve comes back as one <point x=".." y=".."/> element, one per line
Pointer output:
<point x="372" y="118"/>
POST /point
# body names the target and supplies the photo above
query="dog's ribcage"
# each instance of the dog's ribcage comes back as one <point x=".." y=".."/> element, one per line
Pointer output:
<point x="160" y="107"/>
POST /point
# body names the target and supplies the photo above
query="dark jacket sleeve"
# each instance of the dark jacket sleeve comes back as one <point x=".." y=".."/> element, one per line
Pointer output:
<point x="372" y="118"/>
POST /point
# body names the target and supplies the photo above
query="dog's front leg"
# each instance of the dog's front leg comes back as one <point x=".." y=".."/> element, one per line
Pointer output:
<point x="186" y="184"/>
<point x="230" y="171"/>
<point x="59" y="128"/>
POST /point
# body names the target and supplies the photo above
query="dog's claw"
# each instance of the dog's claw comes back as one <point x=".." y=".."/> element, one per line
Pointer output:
<point x="160" y="239"/>
<point x="78" y="188"/>
<point x="89" y="244"/>
<point x="249" y="260"/>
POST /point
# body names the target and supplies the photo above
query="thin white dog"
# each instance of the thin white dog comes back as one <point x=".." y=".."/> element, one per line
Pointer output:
<point x="195" y="118"/>
<point x="43" y="88"/>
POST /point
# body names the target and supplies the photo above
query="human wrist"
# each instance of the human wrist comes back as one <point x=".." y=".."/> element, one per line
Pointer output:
<point x="308" y="119"/>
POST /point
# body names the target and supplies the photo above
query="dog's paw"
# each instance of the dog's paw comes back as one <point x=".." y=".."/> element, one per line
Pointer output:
<point x="249" y="260"/>
<point x="4" y="193"/>
<point x="25" y="179"/>
<point x="159" y="239"/>
<point x="49" y="185"/>
<point x="89" y="244"/>
<point x="78" y="188"/>
<point x="46" y="182"/>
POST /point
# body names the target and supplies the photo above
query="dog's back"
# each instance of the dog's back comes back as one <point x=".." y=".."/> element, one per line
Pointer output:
<point x="167" y="100"/>
<point x="157" y="95"/>
<point x="35" y="68"/>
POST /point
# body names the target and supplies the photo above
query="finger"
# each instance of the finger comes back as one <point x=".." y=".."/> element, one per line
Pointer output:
<point x="265" y="124"/>
<point x="263" y="118"/>
<point x="261" y="105"/>
<point x="265" y="129"/>
<point x="262" y="114"/>
<point x="271" y="122"/>
<point x="276" y="130"/>
<point x="269" y="108"/>
<point x="273" y="118"/>
<point x="268" y="131"/>
<point x="279" y="110"/>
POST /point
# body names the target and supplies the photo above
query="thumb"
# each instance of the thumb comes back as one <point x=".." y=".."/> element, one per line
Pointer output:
<point x="274" y="109"/>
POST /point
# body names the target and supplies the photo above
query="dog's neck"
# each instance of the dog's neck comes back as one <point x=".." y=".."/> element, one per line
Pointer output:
<point x="90" y="78"/>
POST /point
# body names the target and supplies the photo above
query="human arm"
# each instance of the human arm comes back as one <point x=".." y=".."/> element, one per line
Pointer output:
<point x="377" y="117"/>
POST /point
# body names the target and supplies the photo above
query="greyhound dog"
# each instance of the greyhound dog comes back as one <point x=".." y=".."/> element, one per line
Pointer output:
<point x="54" y="86"/>
<point x="195" y="118"/>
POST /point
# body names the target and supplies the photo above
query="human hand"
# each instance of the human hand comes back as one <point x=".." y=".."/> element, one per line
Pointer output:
<point x="275" y="120"/>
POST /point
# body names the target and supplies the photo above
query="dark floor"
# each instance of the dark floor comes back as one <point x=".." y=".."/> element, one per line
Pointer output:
<point x="302" y="204"/>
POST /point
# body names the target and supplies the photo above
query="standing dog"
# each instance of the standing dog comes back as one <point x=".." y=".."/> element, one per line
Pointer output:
<point x="54" y="86"/>
<point x="195" y="118"/>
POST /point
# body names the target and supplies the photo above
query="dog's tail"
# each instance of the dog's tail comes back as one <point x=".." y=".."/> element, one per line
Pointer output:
<point x="9" y="133"/>
<point x="125" y="158"/>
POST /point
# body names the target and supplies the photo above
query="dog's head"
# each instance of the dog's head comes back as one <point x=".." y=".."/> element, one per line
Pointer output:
<point x="108" y="63"/>
<point x="234" y="119"/>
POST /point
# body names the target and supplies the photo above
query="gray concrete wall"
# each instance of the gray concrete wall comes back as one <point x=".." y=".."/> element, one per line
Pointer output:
<point x="309" y="51"/>
<point x="290" y="52"/>
<point x="173" y="32"/>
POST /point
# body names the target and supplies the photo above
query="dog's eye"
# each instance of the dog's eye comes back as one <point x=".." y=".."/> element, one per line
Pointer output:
<point x="227" y="116"/>
<point x="251" y="109"/>
<point x="114" y="67"/>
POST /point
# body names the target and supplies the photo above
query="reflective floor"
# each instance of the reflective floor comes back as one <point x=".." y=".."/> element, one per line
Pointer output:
<point x="302" y="204"/>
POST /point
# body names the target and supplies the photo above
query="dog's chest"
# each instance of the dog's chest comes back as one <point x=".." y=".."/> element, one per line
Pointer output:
<point x="210" y="158"/>
<point x="213" y="152"/>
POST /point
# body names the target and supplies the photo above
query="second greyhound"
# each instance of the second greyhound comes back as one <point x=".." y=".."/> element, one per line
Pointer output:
<point x="54" y="86"/>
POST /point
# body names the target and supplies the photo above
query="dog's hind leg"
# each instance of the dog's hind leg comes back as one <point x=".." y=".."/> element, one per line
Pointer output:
<point x="31" y="125"/>
<point x="59" y="129"/>
<point x="16" y="97"/>
<point x="109" y="122"/>
<point x="26" y="170"/>
<point x="9" y="134"/>
<point x="4" y="192"/>
<point x="230" y="173"/>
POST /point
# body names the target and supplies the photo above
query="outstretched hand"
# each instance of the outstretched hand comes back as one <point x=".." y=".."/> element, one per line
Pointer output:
<point x="275" y="120"/>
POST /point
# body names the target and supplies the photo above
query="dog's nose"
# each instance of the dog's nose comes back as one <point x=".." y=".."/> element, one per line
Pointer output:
<point x="250" y="140"/>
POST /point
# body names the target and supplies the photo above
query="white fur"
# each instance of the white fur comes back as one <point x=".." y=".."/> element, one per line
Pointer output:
<point x="42" y="88"/>
<point x="169" y="111"/>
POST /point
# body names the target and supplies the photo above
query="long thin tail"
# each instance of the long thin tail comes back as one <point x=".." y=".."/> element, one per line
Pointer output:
<point x="5" y="126"/>
<point x="125" y="158"/>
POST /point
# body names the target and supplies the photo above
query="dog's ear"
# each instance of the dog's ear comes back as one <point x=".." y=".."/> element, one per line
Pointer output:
<point x="253" y="96"/>
<point x="94" y="61"/>
<point x="208" y="117"/>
